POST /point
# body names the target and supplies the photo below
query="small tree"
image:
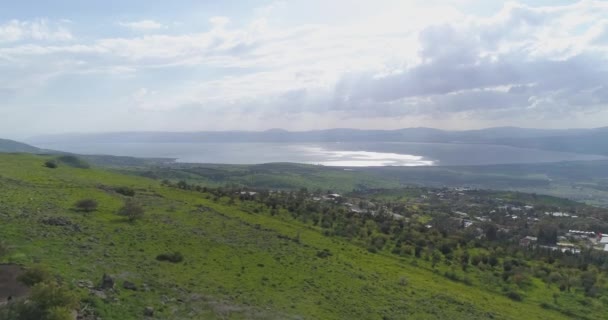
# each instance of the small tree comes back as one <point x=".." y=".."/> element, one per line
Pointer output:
<point x="131" y="210"/>
<point x="51" y="164"/>
<point x="86" y="205"/>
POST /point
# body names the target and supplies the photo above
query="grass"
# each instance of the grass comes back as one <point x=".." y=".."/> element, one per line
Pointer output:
<point x="236" y="265"/>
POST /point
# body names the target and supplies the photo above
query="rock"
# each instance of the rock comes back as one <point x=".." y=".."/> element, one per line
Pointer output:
<point x="99" y="294"/>
<point x="129" y="285"/>
<point x="85" y="284"/>
<point x="107" y="282"/>
<point x="56" y="221"/>
<point x="148" y="311"/>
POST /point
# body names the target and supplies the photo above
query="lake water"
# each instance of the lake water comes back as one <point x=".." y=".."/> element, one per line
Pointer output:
<point x="329" y="154"/>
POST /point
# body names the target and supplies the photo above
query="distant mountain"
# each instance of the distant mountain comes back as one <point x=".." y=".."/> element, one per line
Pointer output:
<point x="14" y="146"/>
<point x="590" y="141"/>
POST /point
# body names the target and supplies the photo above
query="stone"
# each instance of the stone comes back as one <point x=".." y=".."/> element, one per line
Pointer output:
<point x="107" y="282"/>
<point x="129" y="285"/>
<point x="148" y="311"/>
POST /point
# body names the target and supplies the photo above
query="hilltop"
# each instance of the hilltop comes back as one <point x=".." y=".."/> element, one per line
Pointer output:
<point x="586" y="141"/>
<point x="14" y="146"/>
<point x="240" y="260"/>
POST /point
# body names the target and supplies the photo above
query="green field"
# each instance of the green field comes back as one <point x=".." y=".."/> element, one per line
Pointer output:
<point x="237" y="264"/>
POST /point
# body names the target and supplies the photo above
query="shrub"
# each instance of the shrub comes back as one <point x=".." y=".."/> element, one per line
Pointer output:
<point x="514" y="296"/>
<point x="51" y="164"/>
<point x="86" y="205"/>
<point x="49" y="297"/>
<point x="125" y="191"/>
<point x="174" y="257"/>
<point x="34" y="276"/>
<point x="324" y="253"/>
<point x="131" y="210"/>
<point x="3" y="249"/>
<point x="59" y="313"/>
<point x="48" y="301"/>
<point x="74" y="162"/>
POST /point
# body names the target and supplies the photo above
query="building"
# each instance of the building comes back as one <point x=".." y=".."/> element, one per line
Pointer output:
<point x="528" y="241"/>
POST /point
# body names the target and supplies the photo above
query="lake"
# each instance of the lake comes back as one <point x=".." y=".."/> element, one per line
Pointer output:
<point x="329" y="154"/>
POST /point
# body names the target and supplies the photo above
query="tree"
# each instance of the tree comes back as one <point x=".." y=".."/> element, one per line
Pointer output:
<point x="490" y="231"/>
<point x="51" y="164"/>
<point x="547" y="234"/>
<point x="435" y="258"/>
<point x="86" y="205"/>
<point x="132" y="211"/>
<point x="588" y="279"/>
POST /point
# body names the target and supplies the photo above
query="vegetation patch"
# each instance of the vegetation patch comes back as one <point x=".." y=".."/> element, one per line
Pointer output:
<point x="174" y="257"/>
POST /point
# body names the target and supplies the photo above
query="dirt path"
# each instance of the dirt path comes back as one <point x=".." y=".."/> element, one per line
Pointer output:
<point x="10" y="288"/>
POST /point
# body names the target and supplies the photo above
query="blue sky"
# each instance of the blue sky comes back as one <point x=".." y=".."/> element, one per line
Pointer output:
<point x="90" y="66"/>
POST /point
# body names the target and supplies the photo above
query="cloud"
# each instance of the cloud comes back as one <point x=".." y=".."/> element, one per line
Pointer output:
<point x="402" y="65"/>
<point x="17" y="30"/>
<point x="143" y="25"/>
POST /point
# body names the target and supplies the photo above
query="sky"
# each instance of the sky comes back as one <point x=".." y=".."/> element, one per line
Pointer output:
<point x="186" y="65"/>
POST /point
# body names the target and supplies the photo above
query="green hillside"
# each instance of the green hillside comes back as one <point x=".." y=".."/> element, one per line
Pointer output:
<point x="14" y="146"/>
<point x="236" y="264"/>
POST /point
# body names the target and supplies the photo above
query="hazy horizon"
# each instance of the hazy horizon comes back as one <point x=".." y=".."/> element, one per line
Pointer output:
<point x="27" y="138"/>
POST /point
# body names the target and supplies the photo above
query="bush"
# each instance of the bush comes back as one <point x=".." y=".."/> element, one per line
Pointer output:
<point x="74" y="162"/>
<point x="174" y="257"/>
<point x="49" y="297"/>
<point x="50" y="164"/>
<point x="86" y="205"/>
<point x="325" y="253"/>
<point x="34" y="276"/>
<point x="3" y="249"/>
<point x="514" y="296"/>
<point x="125" y="191"/>
<point x="132" y="211"/>
<point x="48" y="301"/>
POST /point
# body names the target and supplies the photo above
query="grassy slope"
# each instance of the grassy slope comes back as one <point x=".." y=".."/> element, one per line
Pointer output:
<point x="235" y="265"/>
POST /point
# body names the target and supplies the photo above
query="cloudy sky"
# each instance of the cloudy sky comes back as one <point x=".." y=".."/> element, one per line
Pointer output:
<point x="86" y="66"/>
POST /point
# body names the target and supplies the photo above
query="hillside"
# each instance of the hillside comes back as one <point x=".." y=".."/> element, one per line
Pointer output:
<point x="14" y="146"/>
<point x="237" y="263"/>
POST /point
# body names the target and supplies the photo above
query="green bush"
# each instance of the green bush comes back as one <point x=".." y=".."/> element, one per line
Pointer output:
<point x="325" y="253"/>
<point x="125" y="191"/>
<point x="34" y="276"/>
<point x="514" y="296"/>
<point x="174" y="257"/>
<point x="48" y="301"/>
<point x="51" y="164"/>
<point x="132" y="211"/>
<point x="86" y="205"/>
<point x="74" y="162"/>
<point x="3" y="249"/>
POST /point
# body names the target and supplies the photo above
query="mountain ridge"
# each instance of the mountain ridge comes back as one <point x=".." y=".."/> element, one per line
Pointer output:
<point x="589" y="141"/>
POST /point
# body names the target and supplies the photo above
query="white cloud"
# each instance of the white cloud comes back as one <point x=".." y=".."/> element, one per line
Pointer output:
<point x="403" y="65"/>
<point x="143" y="25"/>
<point x="16" y="30"/>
